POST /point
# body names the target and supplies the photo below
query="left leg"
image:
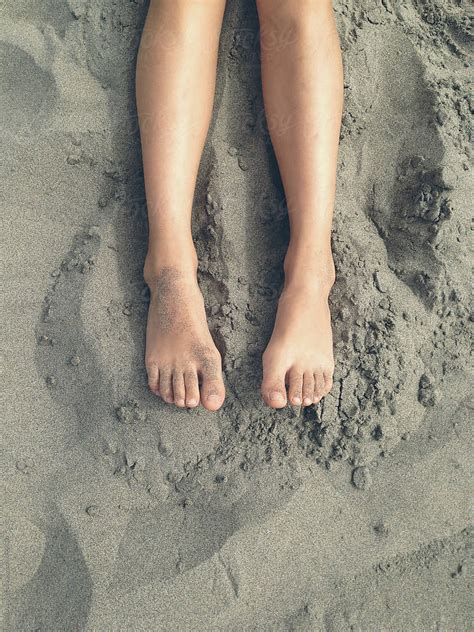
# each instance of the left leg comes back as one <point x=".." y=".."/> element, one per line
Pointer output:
<point x="176" y="74"/>
<point x="302" y="86"/>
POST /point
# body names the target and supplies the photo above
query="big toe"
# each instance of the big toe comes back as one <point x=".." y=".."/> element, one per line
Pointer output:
<point x="212" y="393"/>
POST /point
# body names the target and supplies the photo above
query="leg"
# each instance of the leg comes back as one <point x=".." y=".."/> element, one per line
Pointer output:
<point x="302" y="85"/>
<point x="176" y="75"/>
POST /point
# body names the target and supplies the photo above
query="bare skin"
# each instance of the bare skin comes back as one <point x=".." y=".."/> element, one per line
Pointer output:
<point x="303" y="93"/>
<point x="302" y="81"/>
<point x="176" y="75"/>
<point x="187" y="355"/>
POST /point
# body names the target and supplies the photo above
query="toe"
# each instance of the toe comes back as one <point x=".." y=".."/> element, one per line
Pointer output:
<point x="212" y="385"/>
<point x="166" y="385"/>
<point x="319" y="385"/>
<point x="273" y="386"/>
<point x="153" y="377"/>
<point x="212" y="393"/>
<point x="192" y="388"/>
<point x="328" y="380"/>
<point x="295" y="387"/>
<point x="308" y="388"/>
<point x="179" y="392"/>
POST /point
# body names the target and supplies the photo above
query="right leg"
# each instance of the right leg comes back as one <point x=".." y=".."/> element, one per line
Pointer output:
<point x="176" y="74"/>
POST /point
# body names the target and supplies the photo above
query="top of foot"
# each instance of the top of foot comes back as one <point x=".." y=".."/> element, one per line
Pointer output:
<point x="182" y="361"/>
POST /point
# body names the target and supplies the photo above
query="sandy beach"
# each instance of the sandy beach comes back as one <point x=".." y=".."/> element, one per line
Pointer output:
<point x="125" y="513"/>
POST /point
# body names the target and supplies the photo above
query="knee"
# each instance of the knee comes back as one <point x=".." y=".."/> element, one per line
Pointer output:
<point x="194" y="10"/>
<point x="284" y="23"/>
<point x="289" y="12"/>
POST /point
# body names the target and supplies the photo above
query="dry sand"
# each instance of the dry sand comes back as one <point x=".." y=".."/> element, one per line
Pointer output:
<point x="126" y="514"/>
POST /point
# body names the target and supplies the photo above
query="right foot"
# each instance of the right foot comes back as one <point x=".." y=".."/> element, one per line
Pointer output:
<point x="182" y="362"/>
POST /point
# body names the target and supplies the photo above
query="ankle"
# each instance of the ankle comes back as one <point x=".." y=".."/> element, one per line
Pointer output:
<point x="309" y="270"/>
<point x="312" y="289"/>
<point x="184" y="265"/>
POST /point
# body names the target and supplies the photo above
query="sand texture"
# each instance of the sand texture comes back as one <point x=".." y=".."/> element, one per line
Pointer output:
<point x="123" y="513"/>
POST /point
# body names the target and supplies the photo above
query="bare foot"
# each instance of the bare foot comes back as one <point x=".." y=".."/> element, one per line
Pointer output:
<point x="299" y="353"/>
<point x="182" y="362"/>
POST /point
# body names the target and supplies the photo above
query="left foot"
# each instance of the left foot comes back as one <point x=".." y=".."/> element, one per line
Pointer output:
<point x="299" y="355"/>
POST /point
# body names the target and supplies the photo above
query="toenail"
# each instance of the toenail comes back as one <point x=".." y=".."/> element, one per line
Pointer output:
<point x="296" y="400"/>
<point x="276" y="396"/>
<point x="191" y="403"/>
<point x="180" y="402"/>
<point x="307" y="401"/>
<point x="213" y="397"/>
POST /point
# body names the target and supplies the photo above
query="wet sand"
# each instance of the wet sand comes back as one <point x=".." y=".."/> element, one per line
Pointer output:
<point x="124" y="513"/>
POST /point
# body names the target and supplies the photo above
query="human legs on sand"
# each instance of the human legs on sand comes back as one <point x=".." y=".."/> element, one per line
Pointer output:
<point x="176" y="74"/>
<point x="303" y="86"/>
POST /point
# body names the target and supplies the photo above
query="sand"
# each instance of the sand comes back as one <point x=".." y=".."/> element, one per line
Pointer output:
<point x="123" y="513"/>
